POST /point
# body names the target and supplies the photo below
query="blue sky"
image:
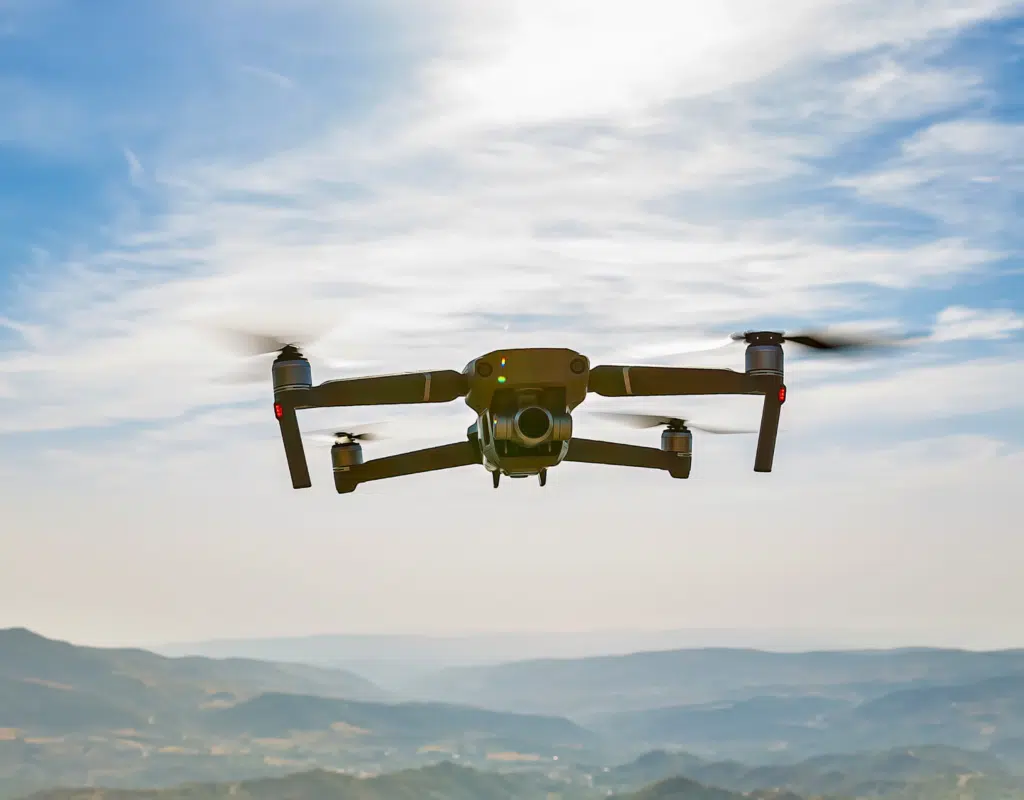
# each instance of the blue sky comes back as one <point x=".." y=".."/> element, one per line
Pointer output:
<point x="430" y="185"/>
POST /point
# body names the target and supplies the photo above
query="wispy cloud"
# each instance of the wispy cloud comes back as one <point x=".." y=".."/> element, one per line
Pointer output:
<point x="965" y="172"/>
<point x="957" y="323"/>
<point x="135" y="170"/>
<point x="276" y="78"/>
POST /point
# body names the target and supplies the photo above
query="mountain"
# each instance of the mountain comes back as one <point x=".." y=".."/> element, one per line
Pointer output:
<point x="1011" y="752"/>
<point x="889" y="776"/>
<point x="728" y="727"/>
<point x="837" y="724"/>
<point x="271" y="715"/>
<point x="892" y="773"/>
<point x="74" y="715"/>
<point x="430" y="652"/>
<point x="443" y="781"/>
<point x="681" y="789"/>
<point x="49" y="686"/>
<point x="646" y="680"/>
<point x="973" y="716"/>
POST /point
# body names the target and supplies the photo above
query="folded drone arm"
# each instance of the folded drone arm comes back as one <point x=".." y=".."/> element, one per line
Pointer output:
<point x="382" y="390"/>
<point x="625" y="381"/>
<point x="294" y="452"/>
<point x="403" y="389"/>
<point x="593" y="451"/>
<point x="431" y="459"/>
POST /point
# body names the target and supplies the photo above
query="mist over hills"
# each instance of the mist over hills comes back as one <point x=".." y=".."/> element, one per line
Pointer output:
<point x="396" y="659"/>
<point x="656" y="679"/>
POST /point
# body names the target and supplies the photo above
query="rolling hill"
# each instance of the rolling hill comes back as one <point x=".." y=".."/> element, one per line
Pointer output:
<point x="270" y="715"/>
<point x="128" y="718"/>
<point x="683" y="789"/>
<point x="973" y="716"/>
<point x="581" y="687"/>
<point x="893" y="772"/>
<point x="892" y="776"/>
<point x="443" y="782"/>
<point x="49" y="686"/>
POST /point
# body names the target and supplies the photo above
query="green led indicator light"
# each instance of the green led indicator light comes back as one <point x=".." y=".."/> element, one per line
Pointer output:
<point x="501" y="379"/>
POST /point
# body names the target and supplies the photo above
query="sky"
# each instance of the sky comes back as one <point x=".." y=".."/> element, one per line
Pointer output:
<point x="415" y="184"/>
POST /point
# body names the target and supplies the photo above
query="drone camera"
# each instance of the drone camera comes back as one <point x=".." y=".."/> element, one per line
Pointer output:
<point x="532" y="426"/>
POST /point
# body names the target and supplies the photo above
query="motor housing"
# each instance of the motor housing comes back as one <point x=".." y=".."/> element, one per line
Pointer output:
<point x="293" y="373"/>
<point x="679" y="442"/>
<point x="346" y="455"/>
<point x="764" y="359"/>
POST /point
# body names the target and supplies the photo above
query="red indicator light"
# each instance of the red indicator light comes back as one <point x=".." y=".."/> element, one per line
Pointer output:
<point x="278" y="410"/>
<point x="782" y="394"/>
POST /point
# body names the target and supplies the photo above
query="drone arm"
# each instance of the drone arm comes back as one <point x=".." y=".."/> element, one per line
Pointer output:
<point x="615" y="381"/>
<point x="294" y="452"/>
<point x="624" y="381"/>
<point x="448" y="456"/>
<point x="769" y="431"/>
<point x="593" y="451"/>
<point x="382" y="390"/>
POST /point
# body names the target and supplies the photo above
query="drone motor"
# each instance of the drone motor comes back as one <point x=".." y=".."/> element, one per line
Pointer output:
<point x="764" y="359"/>
<point x="291" y="370"/>
<point x="678" y="441"/>
<point x="345" y="455"/>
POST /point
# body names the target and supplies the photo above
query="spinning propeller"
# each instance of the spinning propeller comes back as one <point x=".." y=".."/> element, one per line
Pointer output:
<point x="672" y="423"/>
<point x="255" y="345"/>
<point x="821" y="341"/>
<point x="362" y="433"/>
<point x="817" y="342"/>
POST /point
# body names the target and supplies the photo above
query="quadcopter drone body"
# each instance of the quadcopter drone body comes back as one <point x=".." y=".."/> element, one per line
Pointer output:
<point x="524" y="400"/>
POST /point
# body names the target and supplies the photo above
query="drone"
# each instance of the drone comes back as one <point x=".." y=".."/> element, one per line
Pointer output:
<point x="524" y="401"/>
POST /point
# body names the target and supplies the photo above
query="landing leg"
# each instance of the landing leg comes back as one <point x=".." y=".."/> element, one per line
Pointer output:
<point x="495" y="478"/>
<point x="543" y="476"/>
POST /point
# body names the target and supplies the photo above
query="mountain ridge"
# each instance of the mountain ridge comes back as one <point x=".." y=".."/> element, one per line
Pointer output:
<point x="445" y="780"/>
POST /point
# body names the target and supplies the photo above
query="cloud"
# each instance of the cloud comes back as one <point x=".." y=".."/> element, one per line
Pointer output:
<point x="520" y="63"/>
<point x="957" y="323"/>
<point x="421" y="227"/>
<point x="135" y="170"/>
<point x="964" y="172"/>
<point x="598" y="176"/>
<point x="269" y="75"/>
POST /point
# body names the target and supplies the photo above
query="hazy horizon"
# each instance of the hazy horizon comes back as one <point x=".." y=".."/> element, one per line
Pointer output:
<point x="580" y="642"/>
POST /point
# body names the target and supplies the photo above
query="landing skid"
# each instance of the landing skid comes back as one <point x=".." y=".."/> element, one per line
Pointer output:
<point x="542" y="476"/>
